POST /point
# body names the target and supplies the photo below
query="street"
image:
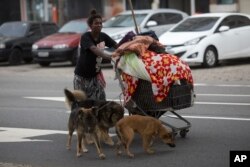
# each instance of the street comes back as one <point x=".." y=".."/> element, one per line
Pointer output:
<point x="33" y="120"/>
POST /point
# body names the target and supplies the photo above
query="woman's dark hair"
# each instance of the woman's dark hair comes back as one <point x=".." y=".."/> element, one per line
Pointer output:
<point x="93" y="16"/>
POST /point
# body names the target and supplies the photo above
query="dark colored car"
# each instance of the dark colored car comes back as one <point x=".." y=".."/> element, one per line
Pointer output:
<point x="61" y="46"/>
<point x="17" y="37"/>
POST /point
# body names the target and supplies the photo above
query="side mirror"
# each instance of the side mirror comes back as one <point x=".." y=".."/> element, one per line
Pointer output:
<point x="151" y="23"/>
<point x="224" y="28"/>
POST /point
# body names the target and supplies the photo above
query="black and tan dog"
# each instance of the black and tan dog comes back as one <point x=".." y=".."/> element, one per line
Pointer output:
<point x="108" y="112"/>
<point x="85" y="123"/>
<point x="148" y="127"/>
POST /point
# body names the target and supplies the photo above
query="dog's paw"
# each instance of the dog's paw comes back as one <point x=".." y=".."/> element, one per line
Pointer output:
<point x="68" y="148"/>
<point x="131" y="155"/>
<point x="102" y="156"/>
<point x="85" y="150"/>
<point x="119" y="152"/>
<point x="150" y="151"/>
<point x="78" y="154"/>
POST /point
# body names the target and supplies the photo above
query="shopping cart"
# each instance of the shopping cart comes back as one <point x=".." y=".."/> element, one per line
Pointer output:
<point x="142" y="102"/>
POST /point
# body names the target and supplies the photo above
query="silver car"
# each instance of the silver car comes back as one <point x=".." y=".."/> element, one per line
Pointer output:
<point x="159" y="20"/>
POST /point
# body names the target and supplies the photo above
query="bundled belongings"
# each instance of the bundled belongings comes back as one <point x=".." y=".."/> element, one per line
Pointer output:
<point x="163" y="70"/>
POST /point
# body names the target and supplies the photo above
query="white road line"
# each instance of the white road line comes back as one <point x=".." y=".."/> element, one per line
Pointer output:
<point x="224" y="103"/>
<point x="118" y="100"/>
<point x="214" y="118"/>
<point x="220" y="85"/>
<point x="27" y="135"/>
<point x="224" y="95"/>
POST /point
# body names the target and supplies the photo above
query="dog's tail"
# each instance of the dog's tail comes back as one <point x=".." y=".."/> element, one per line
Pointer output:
<point x="73" y="96"/>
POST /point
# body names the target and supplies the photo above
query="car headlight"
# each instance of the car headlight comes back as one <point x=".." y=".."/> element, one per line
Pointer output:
<point x="2" y="45"/>
<point x="60" y="46"/>
<point x="194" y="41"/>
<point x="34" y="47"/>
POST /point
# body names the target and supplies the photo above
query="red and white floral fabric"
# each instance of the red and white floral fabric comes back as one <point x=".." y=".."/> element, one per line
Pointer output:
<point x="164" y="69"/>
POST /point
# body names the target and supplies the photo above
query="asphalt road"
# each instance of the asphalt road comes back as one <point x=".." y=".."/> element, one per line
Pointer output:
<point x="33" y="120"/>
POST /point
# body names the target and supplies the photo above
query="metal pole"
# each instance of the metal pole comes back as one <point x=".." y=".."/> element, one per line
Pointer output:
<point x="192" y="4"/>
<point x="133" y="16"/>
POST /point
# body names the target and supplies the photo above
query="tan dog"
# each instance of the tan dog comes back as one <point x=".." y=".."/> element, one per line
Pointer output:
<point x="148" y="127"/>
<point x="85" y="123"/>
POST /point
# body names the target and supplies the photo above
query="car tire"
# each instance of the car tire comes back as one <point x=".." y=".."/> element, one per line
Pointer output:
<point x="210" y="58"/>
<point x="15" y="57"/>
<point x="44" y="64"/>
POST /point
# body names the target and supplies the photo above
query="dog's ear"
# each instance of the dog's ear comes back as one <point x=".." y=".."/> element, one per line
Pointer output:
<point x="69" y="95"/>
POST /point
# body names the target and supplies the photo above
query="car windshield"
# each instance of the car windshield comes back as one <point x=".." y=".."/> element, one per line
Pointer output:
<point x="196" y="24"/>
<point x="75" y="27"/>
<point x="15" y="29"/>
<point x="124" y="20"/>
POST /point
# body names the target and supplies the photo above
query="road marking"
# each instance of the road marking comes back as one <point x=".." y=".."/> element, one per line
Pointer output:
<point x="118" y="100"/>
<point x="224" y="95"/>
<point x="27" y="135"/>
<point x="220" y="85"/>
<point x="209" y="117"/>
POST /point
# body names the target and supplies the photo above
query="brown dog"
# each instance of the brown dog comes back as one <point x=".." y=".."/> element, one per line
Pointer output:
<point x="148" y="127"/>
<point x="108" y="112"/>
<point x="85" y="123"/>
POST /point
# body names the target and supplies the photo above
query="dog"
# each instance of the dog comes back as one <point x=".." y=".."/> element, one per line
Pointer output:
<point x="108" y="112"/>
<point x="85" y="123"/>
<point x="148" y="127"/>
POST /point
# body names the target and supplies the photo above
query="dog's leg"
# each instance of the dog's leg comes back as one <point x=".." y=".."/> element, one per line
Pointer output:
<point x="127" y="138"/>
<point x="79" y="144"/>
<point x="68" y="145"/>
<point x="84" y="149"/>
<point x="105" y="136"/>
<point x="88" y="139"/>
<point x="98" y="146"/>
<point x="146" y="144"/>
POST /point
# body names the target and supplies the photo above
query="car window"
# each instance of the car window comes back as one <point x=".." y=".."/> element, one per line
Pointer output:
<point x="35" y="30"/>
<point x="49" y="29"/>
<point x="124" y="20"/>
<point x="14" y="29"/>
<point x="242" y="21"/>
<point x="171" y="18"/>
<point x="229" y="21"/>
<point x="74" y="26"/>
<point x="196" y="24"/>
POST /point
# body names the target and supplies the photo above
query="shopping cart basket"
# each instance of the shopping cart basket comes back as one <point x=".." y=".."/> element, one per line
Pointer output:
<point x="142" y="102"/>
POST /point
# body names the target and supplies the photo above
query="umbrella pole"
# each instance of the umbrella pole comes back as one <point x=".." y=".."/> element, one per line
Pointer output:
<point x="133" y="16"/>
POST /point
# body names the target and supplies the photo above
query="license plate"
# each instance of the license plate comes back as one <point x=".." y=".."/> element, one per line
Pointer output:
<point x="43" y="54"/>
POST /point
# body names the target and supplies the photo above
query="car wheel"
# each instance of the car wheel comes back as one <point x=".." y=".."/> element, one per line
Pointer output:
<point x="44" y="64"/>
<point x="210" y="57"/>
<point x="15" y="57"/>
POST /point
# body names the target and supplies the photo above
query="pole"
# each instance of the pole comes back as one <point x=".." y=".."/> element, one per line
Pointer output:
<point x="133" y="16"/>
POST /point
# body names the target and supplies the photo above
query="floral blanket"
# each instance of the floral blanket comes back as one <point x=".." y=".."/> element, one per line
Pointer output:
<point x="163" y="70"/>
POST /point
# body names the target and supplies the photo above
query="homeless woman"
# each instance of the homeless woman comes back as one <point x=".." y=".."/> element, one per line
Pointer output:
<point x="88" y="75"/>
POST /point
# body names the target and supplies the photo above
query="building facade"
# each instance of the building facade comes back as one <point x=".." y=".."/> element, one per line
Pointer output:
<point x="61" y="11"/>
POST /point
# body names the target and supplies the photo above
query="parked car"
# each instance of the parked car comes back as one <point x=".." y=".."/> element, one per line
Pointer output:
<point x="208" y="38"/>
<point x="61" y="46"/>
<point x="17" y="37"/>
<point x="159" y="20"/>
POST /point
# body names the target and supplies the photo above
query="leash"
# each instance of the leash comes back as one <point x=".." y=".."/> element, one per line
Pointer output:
<point x="110" y="101"/>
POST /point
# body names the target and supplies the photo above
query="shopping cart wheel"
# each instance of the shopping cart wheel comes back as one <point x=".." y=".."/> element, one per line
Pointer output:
<point x="183" y="133"/>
